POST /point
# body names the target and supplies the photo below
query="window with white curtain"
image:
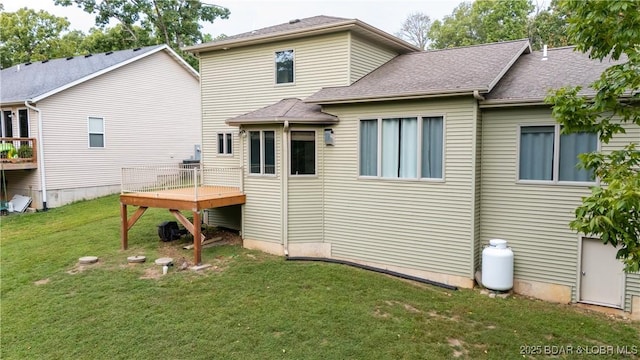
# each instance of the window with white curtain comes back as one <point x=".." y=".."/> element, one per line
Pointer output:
<point x="547" y="155"/>
<point x="402" y="148"/>
<point x="369" y="147"/>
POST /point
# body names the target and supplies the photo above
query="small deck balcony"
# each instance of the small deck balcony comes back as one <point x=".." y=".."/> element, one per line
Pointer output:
<point x="178" y="187"/>
<point x="18" y="153"/>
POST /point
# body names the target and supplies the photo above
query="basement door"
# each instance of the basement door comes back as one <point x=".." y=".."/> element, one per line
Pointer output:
<point x="601" y="275"/>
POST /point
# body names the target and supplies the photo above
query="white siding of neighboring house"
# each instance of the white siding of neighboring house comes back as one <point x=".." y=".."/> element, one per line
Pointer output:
<point x="151" y="111"/>
<point x="532" y="218"/>
<point x="366" y="57"/>
<point x="306" y="198"/>
<point x="414" y="224"/>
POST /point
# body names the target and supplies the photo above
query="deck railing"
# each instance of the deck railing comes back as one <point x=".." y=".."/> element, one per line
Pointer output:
<point x="190" y="178"/>
<point x="18" y="150"/>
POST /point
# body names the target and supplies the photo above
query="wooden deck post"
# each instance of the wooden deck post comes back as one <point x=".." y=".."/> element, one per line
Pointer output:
<point x="124" y="227"/>
<point x="197" y="243"/>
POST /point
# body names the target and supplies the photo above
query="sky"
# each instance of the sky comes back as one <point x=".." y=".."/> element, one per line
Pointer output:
<point x="247" y="15"/>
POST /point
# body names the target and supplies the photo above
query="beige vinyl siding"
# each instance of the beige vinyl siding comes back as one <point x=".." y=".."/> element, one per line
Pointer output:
<point x="228" y="217"/>
<point x="532" y="218"/>
<point x="632" y="289"/>
<point x="632" y="280"/>
<point x="151" y="114"/>
<point x="306" y="198"/>
<point x="424" y="225"/>
<point x="241" y="80"/>
<point x="262" y="213"/>
<point x="366" y="57"/>
<point x="478" y="191"/>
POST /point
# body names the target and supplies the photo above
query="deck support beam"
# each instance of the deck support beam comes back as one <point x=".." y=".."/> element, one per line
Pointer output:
<point x="128" y="223"/>
<point x="194" y="229"/>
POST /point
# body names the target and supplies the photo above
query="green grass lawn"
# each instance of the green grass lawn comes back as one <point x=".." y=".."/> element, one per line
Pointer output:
<point x="249" y="305"/>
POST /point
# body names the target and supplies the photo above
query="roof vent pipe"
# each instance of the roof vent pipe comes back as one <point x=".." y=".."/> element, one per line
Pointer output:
<point x="544" y="52"/>
<point x="294" y="21"/>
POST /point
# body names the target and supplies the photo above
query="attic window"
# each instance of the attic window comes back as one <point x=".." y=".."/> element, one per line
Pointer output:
<point x="284" y="67"/>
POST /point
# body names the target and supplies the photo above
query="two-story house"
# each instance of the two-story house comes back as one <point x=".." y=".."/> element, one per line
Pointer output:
<point x="356" y="145"/>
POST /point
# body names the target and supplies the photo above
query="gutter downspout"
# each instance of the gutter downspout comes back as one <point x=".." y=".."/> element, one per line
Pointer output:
<point x="285" y="188"/>
<point x="477" y="96"/>
<point x="41" y="165"/>
<point x="242" y="134"/>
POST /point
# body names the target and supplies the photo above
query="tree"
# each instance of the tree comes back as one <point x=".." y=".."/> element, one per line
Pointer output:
<point x="415" y="29"/>
<point x="548" y="27"/>
<point x="28" y="35"/>
<point x="174" y="22"/>
<point x="115" y="38"/>
<point x="482" y="21"/>
<point x="612" y="210"/>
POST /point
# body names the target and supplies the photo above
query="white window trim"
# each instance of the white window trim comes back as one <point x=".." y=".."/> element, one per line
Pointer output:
<point x="275" y="69"/>
<point x="419" y="157"/>
<point x="20" y="125"/>
<point x="555" y="173"/>
<point x="224" y="144"/>
<point x="3" y="121"/>
<point x="104" y="133"/>
<point x="315" y="138"/>
<point x="275" y="153"/>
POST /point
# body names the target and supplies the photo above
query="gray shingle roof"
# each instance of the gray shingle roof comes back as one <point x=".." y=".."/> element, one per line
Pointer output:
<point x="290" y="26"/>
<point x="22" y="82"/>
<point x="447" y="71"/>
<point x="300" y="28"/>
<point x="292" y="110"/>
<point x="531" y="78"/>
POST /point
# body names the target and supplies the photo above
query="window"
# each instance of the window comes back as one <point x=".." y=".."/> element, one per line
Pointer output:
<point x="7" y="127"/>
<point x="405" y="148"/>
<point x="284" y="67"/>
<point x="303" y="153"/>
<point x="96" y="132"/>
<point x="547" y="155"/>
<point x="262" y="152"/>
<point x="225" y="143"/>
<point x="23" y="123"/>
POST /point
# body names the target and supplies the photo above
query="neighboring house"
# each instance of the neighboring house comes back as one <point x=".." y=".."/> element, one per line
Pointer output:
<point x="358" y="146"/>
<point x="85" y="117"/>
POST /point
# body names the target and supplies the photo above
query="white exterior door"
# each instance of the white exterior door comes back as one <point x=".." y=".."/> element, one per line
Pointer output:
<point x="601" y="275"/>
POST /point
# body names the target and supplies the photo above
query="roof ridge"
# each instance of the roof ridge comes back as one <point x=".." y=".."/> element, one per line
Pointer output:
<point x="86" y="55"/>
<point x="471" y="46"/>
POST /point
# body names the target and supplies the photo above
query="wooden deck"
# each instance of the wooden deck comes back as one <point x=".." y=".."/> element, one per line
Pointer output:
<point x="186" y="199"/>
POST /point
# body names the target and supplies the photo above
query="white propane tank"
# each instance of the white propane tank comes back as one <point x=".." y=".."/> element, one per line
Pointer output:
<point x="497" y="266"/>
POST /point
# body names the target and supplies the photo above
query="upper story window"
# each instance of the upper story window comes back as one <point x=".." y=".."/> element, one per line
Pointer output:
<point x="262" y="152"/>
<point x="96" y="132"/>
<point x="225" y="143"/>
<point x="23" y="123"/>
<point x="303" y="152"/>
<point x="402" y="148"/>
<point x="284" y="67"/>
<point x="547" y="155"/>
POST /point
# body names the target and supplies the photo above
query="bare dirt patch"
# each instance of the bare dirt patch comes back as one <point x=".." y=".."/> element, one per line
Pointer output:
<point x="78" y="268"/>
<point x="458" y="348"/>
<point x="42" y="282"/>
<point x="152" y="273"/>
